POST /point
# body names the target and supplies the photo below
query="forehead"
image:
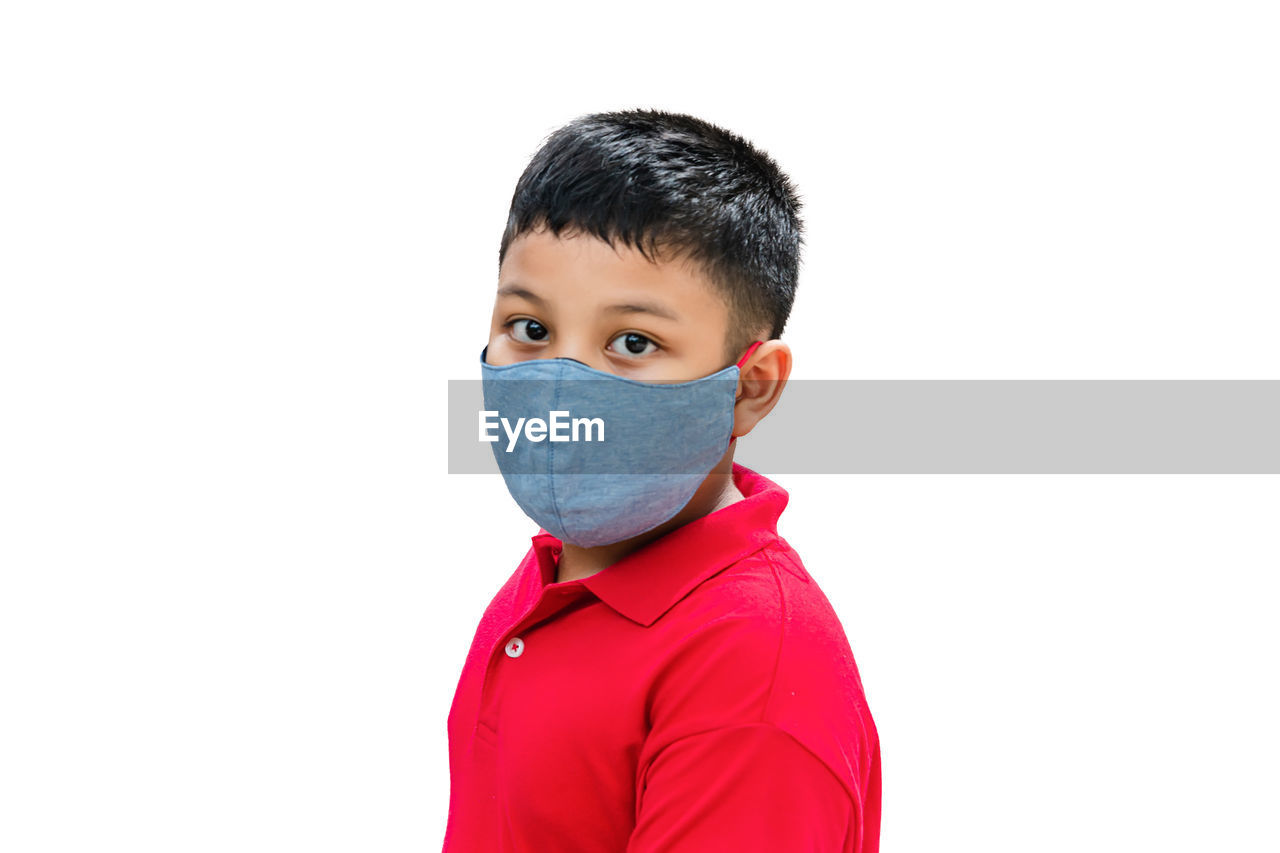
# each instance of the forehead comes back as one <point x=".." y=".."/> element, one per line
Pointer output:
<point x="587" y="271"/>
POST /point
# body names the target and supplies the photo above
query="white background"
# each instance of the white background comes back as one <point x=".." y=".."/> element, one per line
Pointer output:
<point x="243" y="246"/>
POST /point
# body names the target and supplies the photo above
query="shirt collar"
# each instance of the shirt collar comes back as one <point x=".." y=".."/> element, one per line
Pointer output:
<point x="646" y="583"/>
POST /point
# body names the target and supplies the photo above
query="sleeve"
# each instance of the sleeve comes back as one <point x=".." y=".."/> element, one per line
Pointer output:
<point x="745" y="788"/>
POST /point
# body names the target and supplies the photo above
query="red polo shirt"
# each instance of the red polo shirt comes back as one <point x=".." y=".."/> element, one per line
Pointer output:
<point x="697" y="695"/>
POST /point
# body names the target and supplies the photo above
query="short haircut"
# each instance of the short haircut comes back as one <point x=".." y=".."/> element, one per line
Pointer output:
<point x="673" y="186"/>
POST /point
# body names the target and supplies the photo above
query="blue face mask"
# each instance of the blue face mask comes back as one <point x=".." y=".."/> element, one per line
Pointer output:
<point x="596" y="458"/>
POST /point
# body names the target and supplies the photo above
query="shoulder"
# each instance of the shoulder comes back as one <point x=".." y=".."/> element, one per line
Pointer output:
<point x="754" y="643"/>
<point x="765" y="601"/>
<point x="758" y="645"/>
<point x="737" y="615"/>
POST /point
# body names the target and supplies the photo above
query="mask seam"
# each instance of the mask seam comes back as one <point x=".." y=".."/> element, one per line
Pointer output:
<point x="551" y="458"/>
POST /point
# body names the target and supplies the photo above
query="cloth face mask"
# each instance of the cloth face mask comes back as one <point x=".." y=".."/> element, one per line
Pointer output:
<point x="596" y="458"/>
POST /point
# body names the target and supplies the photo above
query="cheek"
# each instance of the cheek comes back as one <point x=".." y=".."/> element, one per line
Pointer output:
<point x="498" y="350"/>
<point x="682" y="366"/>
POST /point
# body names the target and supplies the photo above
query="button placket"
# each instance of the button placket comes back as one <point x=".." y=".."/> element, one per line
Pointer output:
<point x="550" y="601"/>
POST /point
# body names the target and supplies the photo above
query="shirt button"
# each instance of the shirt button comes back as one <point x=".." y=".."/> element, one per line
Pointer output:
<point x="515" y="648"/>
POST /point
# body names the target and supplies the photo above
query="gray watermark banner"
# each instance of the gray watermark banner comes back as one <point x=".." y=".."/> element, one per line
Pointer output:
<point x="974" y="427"/>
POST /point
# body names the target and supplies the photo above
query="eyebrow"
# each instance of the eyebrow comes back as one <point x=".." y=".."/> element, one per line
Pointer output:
<point x="652" y="308"/>
<point x="517" y="290"/>
<point x="643" y="308"/>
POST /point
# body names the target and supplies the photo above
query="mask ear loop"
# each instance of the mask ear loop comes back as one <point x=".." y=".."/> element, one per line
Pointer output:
<point x="745" y="356"/>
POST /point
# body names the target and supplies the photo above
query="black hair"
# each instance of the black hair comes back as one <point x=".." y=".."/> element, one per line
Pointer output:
<point x="673" y="186"/>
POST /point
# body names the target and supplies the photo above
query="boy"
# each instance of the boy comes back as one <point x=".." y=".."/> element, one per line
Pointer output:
<point x="660" y="673"/>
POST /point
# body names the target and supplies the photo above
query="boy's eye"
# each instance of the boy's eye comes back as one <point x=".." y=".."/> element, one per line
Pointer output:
<point x="528" y="331"/>
<point x="631" y="344"/>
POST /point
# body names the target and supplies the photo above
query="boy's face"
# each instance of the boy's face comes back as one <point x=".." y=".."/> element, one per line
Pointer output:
<point x="614" y="310"/>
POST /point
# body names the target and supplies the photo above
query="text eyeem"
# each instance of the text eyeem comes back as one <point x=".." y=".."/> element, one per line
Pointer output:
<point x="559" y="426"/>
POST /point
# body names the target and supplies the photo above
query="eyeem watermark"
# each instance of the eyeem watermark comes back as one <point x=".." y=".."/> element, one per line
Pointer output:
<point x="928" y="426"/>
<point x="559" y="426"/>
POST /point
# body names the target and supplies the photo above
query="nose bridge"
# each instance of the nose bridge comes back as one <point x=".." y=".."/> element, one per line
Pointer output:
<point x="573" y="351"/>
<point x="575" y="332"/>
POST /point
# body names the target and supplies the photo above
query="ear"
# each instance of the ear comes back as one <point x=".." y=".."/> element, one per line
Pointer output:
<point x="760" y="382"/>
